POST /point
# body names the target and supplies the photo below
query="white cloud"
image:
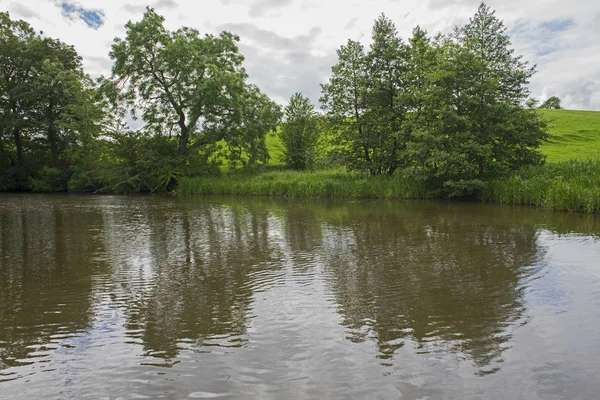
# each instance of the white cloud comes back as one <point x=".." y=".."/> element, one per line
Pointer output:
<point x="290" y="45"/>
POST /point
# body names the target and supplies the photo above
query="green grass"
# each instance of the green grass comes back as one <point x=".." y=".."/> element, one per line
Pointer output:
<point x="274" y="146"/>
<point x="575" y="135"/>
<point x="304" y="184"/>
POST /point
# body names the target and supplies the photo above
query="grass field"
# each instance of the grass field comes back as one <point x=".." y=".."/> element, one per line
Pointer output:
<point x="575" y="135"/>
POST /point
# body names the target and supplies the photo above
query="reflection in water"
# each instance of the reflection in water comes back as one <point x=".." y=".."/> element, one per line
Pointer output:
<point x="278" y="298"/>
<point x="448" y="281"/>
<point x="197" y="269"/>
<point x="45" y="294"/>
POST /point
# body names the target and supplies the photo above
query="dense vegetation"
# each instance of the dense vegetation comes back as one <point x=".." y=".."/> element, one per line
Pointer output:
<point x="428" y="117"/>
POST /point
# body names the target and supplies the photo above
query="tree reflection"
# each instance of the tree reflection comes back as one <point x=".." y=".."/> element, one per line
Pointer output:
<point x="445" y="279"/>
<point x="205" y="263"/>
<point x="46" y="270"/>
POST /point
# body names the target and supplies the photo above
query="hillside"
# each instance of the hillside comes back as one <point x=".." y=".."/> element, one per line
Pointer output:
<point x="575" y="135"/>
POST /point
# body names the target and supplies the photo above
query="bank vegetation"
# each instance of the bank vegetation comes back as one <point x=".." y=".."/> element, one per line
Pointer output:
<point x="429" y="116"/>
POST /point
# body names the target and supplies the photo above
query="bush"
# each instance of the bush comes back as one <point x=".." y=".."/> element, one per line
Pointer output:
<point x="49" y="180"/>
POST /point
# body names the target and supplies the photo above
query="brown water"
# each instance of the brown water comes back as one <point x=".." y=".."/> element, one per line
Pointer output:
<point x="163" y="297"/>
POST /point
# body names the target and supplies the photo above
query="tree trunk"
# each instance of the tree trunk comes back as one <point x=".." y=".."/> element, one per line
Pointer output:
<point x="19" y="147"/>
<point x="185" y="136"/>
<point x="52" y="139"/>
<point x="52" y="136"/>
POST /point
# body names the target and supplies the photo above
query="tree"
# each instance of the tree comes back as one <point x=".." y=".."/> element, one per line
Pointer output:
<point x="43" y="90"/>
<point x="386" y="71"/>
<point x="299" y="133"/>
<point x="473" y="126"/>
<point x="364" y="101"/>
<point x="16" y="76"/>
<point x="551" y="103"/>
<point x="344" y="101"/>
<point x="189" y="86"/>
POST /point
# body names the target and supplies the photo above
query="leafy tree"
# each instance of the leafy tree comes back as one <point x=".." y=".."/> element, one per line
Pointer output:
<point x="16" y="78"/>
<point x="473" y="125"/>
<point x="42" y="90"/>
<point x="551" y="103"/>
<point x="344" y="101"/>
<point x="191" y="87"/>
<point x="244" y="132"/>
<point x="137" y="162"/>
<point x="364" y="101"/>
<point x="299" y="133"/>
<point x="386" y="106"/>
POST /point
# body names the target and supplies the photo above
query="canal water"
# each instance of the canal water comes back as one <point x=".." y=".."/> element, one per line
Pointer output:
<point x="109" y="297"/>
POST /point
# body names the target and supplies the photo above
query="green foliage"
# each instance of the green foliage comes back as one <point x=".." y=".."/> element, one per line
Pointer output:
<point x="42" y="91"/>
<point x="552" y="103"/>
<point x="363" y="100"/>
<point x="49" y="180"/>
<point x="191" y="87"/>
<point x="299" y="134"/>
<point x="469" y="125"/>
<point x="448" y="112"/>
<point x="136" y="162"/>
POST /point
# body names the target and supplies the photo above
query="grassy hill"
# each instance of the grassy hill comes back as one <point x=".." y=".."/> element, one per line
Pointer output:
<point x="574" y="135"/>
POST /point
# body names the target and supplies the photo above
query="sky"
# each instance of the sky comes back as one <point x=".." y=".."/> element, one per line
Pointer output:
<point x="289" y="45"/>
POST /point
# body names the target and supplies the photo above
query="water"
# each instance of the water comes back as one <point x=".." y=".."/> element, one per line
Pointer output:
<point x="178" y="298"/>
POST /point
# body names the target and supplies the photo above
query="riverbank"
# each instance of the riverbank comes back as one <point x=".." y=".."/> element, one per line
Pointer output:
<point x="566" y="186"/>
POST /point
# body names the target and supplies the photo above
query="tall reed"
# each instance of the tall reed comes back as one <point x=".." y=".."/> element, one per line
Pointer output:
<point x="565" y="186"/>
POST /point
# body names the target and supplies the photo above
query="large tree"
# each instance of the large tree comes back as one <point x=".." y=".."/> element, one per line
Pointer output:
<point x="344" y="101"/>
<point x="473" y="125"/>
<point x="16" y="83"/>
<point x="364" y="100"/>
<point x="387" y="62"/>
<point x="191" y="86"/>
<point x="43" y="93"/>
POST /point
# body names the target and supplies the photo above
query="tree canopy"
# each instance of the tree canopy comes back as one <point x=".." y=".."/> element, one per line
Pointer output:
<point x="191" y="86"/>
<point x="448" y="111"/>
<point x="47" y="107"/>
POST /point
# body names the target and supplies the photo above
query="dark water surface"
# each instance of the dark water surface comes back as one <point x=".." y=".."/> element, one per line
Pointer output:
<point x="178" y="298"/>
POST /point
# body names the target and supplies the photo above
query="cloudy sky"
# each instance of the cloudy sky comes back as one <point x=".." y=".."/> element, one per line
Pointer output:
<point x="290" y="45"/>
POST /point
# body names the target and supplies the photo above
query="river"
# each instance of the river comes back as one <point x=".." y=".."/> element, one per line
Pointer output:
<point x="119" y="297"/>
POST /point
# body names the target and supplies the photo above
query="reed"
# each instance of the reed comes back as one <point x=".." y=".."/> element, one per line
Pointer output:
<point x="563" y="186"/>
<point x="324" y="184"/>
